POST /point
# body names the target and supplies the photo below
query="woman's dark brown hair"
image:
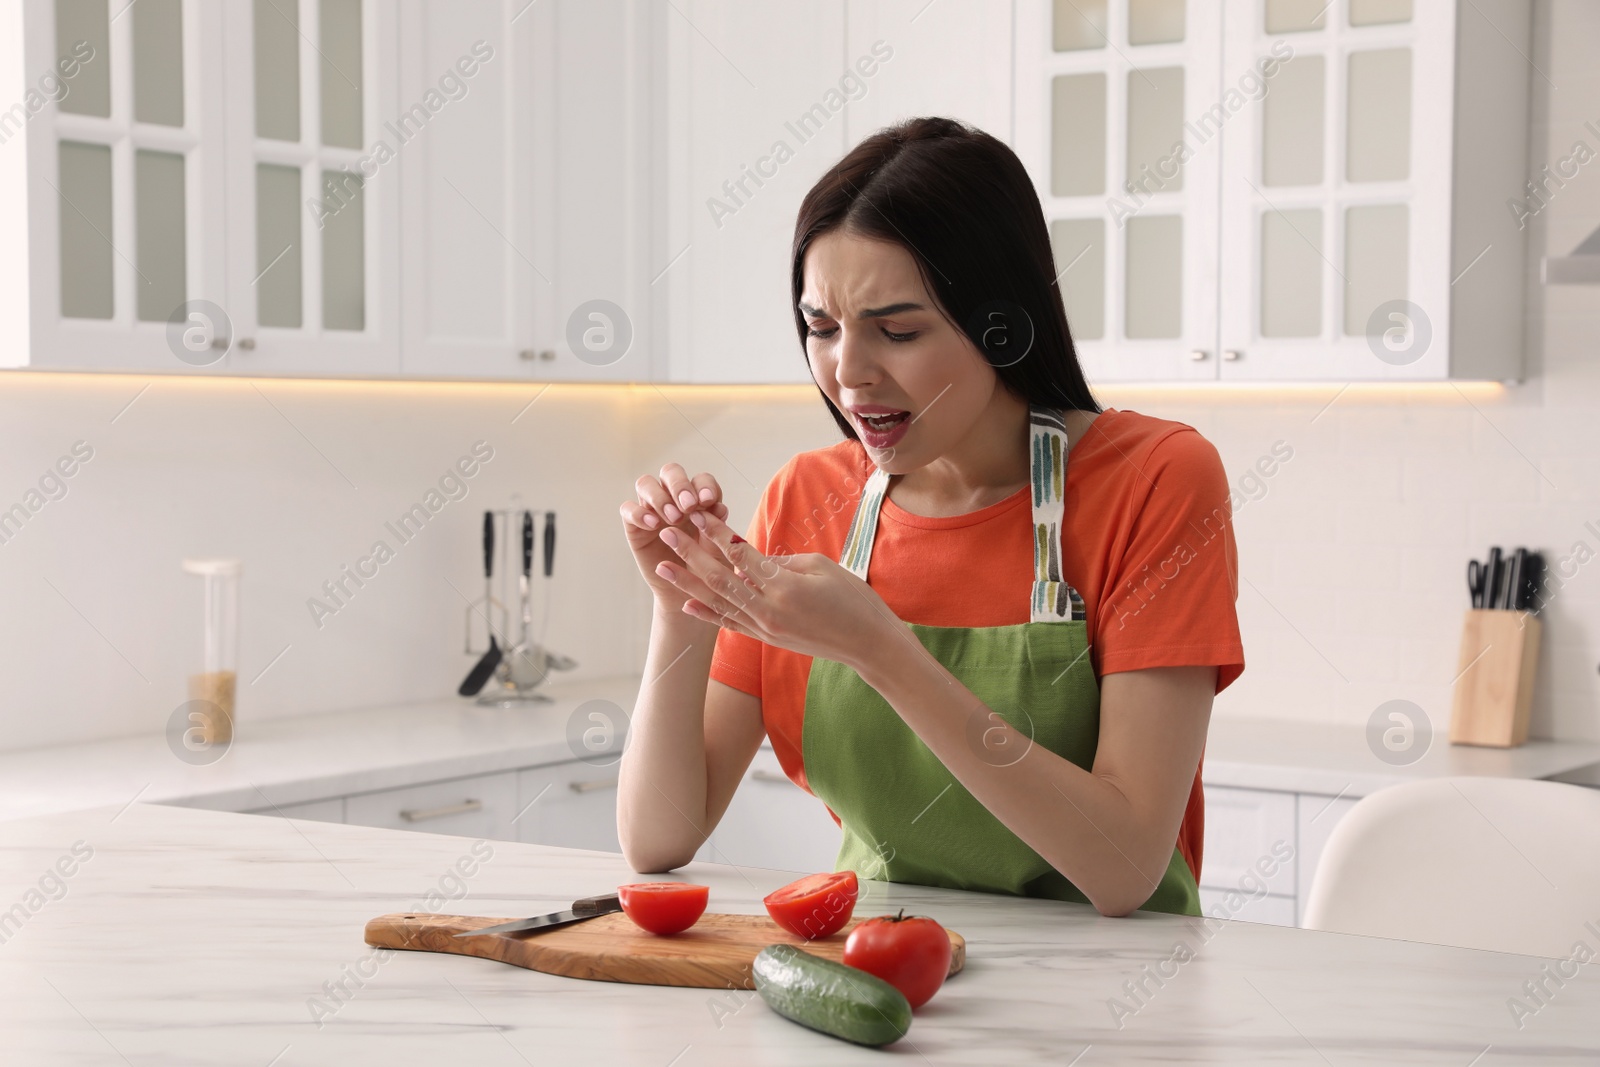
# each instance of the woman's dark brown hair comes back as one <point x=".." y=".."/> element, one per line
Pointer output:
<point x="962" y="204"/>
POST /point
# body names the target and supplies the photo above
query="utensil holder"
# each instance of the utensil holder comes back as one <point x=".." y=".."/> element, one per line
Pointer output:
<point x="1494" y="684"/>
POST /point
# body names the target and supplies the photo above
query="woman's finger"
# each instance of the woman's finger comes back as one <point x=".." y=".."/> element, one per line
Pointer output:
<point x="653" y="495"/>
<point x="740" y="554"/>
<point x="707" y="491"/>
<point x="727" y="592"/>
<point x="700" y="611"/>
<point x="680" y="491"/>
<point x="639" y="515"/>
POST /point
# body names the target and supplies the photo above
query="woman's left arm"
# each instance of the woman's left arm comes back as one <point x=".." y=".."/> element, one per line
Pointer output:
<point x="1109" y="830"/>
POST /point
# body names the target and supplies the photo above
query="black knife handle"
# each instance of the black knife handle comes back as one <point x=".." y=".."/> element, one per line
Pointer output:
<point x="527" y="543"/>
<point x="597" y="905"/>
<point x="488" y="544"/>
<point x="549" y="541"/>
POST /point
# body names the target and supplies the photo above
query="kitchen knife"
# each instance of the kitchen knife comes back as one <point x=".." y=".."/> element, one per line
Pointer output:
<point x="1496" y="576"/>
<point x="549" y="541"/>
<point x="1533" y="582"/>
<point x="587" y="908"/>
<point x="1514" y="579"/>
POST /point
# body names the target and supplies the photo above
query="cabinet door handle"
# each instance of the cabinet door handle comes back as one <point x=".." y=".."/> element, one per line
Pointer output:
<point x="761" y="774"/>
<point x="1198" y="354"/>
<point x="1231" y="354"/>
<point x="424" y="814"/>
<point x="590" y="787"/>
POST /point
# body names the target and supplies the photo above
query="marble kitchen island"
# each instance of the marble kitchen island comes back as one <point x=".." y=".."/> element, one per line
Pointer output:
<point x="145" y="934"/>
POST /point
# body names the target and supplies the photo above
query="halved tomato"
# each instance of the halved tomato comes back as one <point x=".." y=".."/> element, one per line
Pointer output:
<point x="664" y="907"/>
<point x="816" y="905"/>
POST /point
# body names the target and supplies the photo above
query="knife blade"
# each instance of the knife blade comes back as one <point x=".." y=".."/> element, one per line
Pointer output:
<point x="586" y="908"/>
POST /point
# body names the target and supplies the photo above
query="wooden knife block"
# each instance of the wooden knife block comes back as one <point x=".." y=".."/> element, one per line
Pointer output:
<point x="1494" y="687"/>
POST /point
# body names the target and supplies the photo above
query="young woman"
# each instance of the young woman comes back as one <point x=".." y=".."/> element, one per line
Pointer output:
<point x="986" y="628"/>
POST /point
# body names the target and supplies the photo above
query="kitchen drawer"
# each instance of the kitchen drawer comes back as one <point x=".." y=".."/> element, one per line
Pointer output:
<point x="1317" y="816"/>
<point x="573" y="805"/>
<point x="480" y="806"/>
<point x="1273" y="910"/>
<point x="331" y="810"/>
<point x="1250" y="835"/>
<point x="774" y="823"/>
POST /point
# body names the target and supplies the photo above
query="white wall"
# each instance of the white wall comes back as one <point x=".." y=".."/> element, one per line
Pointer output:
<point x="1352" y="560"/>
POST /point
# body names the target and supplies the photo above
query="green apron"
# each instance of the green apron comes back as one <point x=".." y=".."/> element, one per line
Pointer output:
<point x="905" y="816"/>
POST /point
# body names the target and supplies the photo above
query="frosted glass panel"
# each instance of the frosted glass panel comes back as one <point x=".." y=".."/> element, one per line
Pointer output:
<point x="158" y="199"/>
<point x="1155" y="21"/>
<point x="1079" y="24"/>
<point x="1295" y="16"/>
<point x="1378" y="130"/>
<point x="277" y="55"/>
<point x="1155" y="128"/>
<point x="82" y="25"/>
<point x="340" y="27"/>
<point x="158" y="62"/>
<point x="1078" y="135"/>
<point x="1080" y="253"/>
<point x="85" y="187"/>
<point x="278" y="254"/>
<point x="1374" y="12"/>
<point x="1154" y="277"/>
<point x="344" y="285"/>
<point x="1376" y="247"/>
<point x="1291" y="135"/>
<point x="1291" y="273"/>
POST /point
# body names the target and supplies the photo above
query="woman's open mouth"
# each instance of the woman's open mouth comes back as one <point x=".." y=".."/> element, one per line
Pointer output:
<point x="881" y="427"/>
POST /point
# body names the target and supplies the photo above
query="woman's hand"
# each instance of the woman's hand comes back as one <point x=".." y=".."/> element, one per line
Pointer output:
<point x="805" y="603"/>
<point x="666" y="502"/>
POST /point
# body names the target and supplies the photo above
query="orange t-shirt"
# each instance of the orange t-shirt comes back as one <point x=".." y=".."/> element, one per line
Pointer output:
<point x="1147" y="541"/>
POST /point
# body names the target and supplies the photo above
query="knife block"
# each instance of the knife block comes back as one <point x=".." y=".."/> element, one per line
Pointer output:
<point x="1494" y="684"/>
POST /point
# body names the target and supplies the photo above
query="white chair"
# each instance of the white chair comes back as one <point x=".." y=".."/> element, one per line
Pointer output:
<point x="1502" y="864"/>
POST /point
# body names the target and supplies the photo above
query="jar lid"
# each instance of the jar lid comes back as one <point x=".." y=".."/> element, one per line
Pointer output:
<point x="213" y="566"/>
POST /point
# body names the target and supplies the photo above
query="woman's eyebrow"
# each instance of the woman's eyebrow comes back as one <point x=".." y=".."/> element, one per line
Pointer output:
<point x="869" y="313"/>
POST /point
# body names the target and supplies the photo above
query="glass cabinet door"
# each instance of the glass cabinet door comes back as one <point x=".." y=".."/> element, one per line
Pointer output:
<point x="126" y="184"/>
<point x="1319" y="190"/>
<point x="1126" y="165"/>
<point x="312" y="215"/>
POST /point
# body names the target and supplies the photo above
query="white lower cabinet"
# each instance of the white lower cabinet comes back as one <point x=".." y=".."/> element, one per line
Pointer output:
<point x="573" y="805"/>
<point x="479" y="806"/>
<point x="773" y="823"/>
<point x="1261" y="851"/>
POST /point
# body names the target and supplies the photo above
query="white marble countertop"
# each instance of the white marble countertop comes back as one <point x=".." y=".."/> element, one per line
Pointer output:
<point x="307" y="757"/>
<point x="1335" y="760"/>
<point x="311" y="757"/>
<point x="202" y="937"/>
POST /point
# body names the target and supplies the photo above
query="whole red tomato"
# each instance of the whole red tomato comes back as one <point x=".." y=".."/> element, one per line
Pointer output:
<point x="912" y="954"/>
<point x="814" y="906"/>
<point x="664" y="907"/>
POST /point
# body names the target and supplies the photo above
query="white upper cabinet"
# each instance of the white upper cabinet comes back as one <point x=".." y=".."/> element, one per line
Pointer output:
<point x="606" y="190"/>
<point x="753" y="114"/>
<point x="313" y="220"/>
<point x="524" y="215"/>
<point x="1105" y="94"/>
<point x="114" y="161"/>
<point x="1341" y="176"/>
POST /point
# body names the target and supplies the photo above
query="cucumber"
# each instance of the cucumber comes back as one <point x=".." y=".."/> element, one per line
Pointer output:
<point x="845" y="1002"/>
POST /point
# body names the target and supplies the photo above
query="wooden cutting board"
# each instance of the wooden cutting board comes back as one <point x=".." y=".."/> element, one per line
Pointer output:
<point x="714" y="953"/>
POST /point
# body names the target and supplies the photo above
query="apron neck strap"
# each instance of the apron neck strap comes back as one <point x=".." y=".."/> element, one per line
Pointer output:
<point x="1051" y="598"/>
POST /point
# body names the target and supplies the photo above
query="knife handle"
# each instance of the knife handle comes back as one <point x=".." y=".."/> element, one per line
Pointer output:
<point x="597" y="905"/>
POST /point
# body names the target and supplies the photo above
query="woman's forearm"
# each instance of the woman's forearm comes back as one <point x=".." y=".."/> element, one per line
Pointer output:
<point x="1083" y="824"/>
<point x="661" y="787"/>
